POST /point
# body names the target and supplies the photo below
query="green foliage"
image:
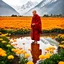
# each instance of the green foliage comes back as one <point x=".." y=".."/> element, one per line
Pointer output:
<point x="7" y="48"/>
<point x="55" y="58"/>
<point x="55" y="30"/>
<point x="27" y="31"/>
<point x="23" y="60"/>
<point x="4" y="59"/>
<point x="59" y="15"/>
<point x="60" y="39"/>
<point x="47" y="61"/>
<point x="14" y="32"/>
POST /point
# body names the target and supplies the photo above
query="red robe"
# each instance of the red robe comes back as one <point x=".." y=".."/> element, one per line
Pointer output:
<point x="36" y="29"/>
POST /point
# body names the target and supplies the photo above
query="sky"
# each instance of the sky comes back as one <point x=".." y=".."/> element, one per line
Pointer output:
<point x="18" y="2"/>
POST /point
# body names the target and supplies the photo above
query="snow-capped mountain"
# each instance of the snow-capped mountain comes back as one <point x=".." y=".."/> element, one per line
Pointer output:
<point x="48" y="7"/>
<point x="43" y="7"/>
<point x="45" y="2"/>
<point x="25" y="7"/>
<point x="28" y="5"/>
<point x="6" y="10"/>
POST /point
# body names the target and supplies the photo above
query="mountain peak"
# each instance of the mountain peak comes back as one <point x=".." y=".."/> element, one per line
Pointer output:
<point x="28" y="5"/>
<point x="54" y="7"/>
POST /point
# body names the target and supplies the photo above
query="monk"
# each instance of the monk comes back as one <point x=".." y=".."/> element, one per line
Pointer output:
<point x="36" y="27"/>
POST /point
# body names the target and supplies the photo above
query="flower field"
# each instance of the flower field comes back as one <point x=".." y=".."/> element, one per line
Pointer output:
<point x="10" y="48"/>
<point x="9" y="54"/>
<point x="25" y="22"/>
<point x="18" y="50"/>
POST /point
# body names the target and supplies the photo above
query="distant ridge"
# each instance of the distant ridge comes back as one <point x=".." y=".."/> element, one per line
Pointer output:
<point x="6" y="10"/>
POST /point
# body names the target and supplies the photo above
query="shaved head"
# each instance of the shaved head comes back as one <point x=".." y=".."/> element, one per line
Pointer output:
<point x="34" y="12"/>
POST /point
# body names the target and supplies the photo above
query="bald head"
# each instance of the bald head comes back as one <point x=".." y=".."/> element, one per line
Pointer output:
<point x="34" y="12"/>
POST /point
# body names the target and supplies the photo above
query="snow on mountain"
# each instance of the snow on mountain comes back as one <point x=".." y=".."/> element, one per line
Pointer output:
<point x="48" y="7"/>
<point x="43" y="7"/>
<point x="25" y="7"/>
<point x="6" y="10"/>
<point x="39" y="5"/>
<point x="28" y="5"/>
<point x="47" y="1"/>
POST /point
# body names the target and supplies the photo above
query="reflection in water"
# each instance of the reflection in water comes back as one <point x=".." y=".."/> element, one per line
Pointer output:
<point x="25" y="43"/>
